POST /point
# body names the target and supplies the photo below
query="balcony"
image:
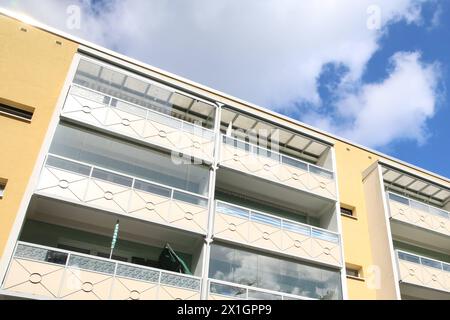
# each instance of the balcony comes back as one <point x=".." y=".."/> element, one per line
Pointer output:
<point x="425" y="273"/>
<point x="415" y="222"/>
<point x="419" y="214"/>
<point x="261" y="230"/>
<point x="221" y="290"/>
<point x="140" y="123"/>
<point x="106" y="190"/>
<point x="276" y="167"/>
<point x="48" y="273"/>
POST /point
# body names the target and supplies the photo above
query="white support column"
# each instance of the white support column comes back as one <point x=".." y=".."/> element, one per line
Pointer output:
<point x="392" y="254"/>
<point x="211" y="204"/>
<point x="339" y="226"/>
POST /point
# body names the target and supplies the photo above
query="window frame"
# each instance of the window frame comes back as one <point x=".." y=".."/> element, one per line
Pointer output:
<point x="15" y="111"/>
<point x="355" y="268"/>
<point x="347" y="209"/>
<point x="3" y="183"/>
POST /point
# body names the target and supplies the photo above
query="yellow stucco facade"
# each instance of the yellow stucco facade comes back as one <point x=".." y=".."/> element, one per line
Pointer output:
<point x="366" y="235"/>
<point x="33" y="68"/>
<point x="351" y="162"/>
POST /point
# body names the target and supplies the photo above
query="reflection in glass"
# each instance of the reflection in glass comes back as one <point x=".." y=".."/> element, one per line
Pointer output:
<point x="232" y="210"/>
<point x="266" y="272"/>
<point x="431" y="263"/>
<point x="398" y="199"/>
<point x="112" y="177"/>
<point x="419" y="206"/>
<point x="152" y="188"/>
<point x="68" y="165"/>
<point x="130" y="159"/>
<point x="144" y="93"/>
<point x="408" y="257"/>
<point x="227" y="290"/>
<point x="189" y="198"/>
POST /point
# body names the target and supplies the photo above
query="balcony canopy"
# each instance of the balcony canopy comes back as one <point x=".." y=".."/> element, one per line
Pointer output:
<point x="416" y="187"/>
<point x="144" y="92"/>
<point x="269" y="135"/>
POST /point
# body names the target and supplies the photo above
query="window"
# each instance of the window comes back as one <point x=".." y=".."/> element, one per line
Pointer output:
<point x="353" y="271"/>
<point x="74" y="249"/>
<point x="2" y="187"/>
<point x="242" y="266"/>
<point x="126" y="158"/>
<point x="20" y="113"/>
<point x="347" y="212"/>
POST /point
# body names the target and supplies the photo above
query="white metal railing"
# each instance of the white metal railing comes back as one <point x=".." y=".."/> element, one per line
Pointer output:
<point x="124" y="180"/>
<point x="272" y="220"/>
<point x="243" y="292"/>
<point x="145" y="113"/>
<point x="279" y="157"/>
<point x="419" y="205"/>
<point x="424" y="261"/>
<point x="69" y="259"/>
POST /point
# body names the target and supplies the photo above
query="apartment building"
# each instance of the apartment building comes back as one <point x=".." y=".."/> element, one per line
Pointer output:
<point x="122" y="181"/>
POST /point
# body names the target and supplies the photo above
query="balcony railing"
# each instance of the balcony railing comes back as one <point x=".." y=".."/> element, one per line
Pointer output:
<point x="262" y="230"/>
<point x="137" y="122"/>
<point x="47" y="272"/>
<point x="222" y="290"/>
<point x="419" y="214"/>
<point x="268" y="164"/>
<point x="108" y="190"/>
<point x="423" y="271"/>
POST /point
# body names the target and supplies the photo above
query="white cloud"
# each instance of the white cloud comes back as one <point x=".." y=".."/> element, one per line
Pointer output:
<point x="268" y="52"/>
<point x="394" y="109"/>
<point x="437" y="16"/>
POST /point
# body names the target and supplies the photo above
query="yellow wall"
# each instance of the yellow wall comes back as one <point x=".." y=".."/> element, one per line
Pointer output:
<point x="33" y="68"/>
<point x="351" y="162"/>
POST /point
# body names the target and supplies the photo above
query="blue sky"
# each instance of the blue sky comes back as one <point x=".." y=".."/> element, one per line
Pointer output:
<point x="379" y="78"/>
<point x="434" y="43"/>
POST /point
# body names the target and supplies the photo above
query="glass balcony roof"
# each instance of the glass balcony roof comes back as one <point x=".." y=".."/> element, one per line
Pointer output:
<point x="415" y="186"/>
<point x="259" y="132"/>
<point x="145" y="92"/>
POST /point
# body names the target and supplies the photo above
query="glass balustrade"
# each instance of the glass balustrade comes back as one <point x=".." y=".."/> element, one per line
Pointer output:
<point x="423" y="271"/>
<point x="262" y="230"/>
<point x="277" y="167"/>
<point x="419" y="214"/>
<point x="279" y="157"/>
<point x="101" y="188"/>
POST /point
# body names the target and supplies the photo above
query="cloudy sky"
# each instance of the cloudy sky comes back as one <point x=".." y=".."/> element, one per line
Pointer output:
<point x="375" y="72"/>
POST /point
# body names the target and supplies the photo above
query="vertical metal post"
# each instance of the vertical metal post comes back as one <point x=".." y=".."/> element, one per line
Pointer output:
<point x="211" y="205"/>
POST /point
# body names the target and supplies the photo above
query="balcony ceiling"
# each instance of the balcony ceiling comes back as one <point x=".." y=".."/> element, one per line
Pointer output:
<point x="102" y="222"/>
<point x="412" y="185"/>
<point x="410" y="292"/>
<point x="409" y="233"/>
<point x="290" y="142"/>
<point x="272" y="193"/>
